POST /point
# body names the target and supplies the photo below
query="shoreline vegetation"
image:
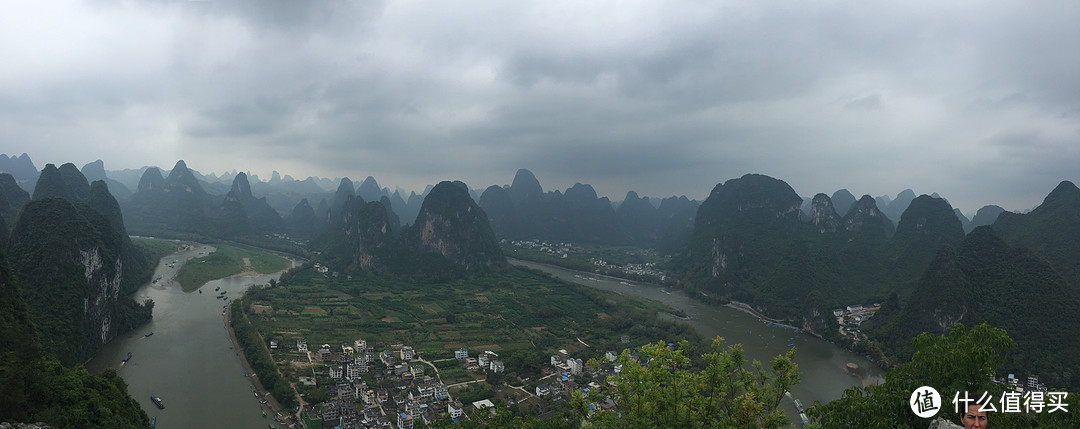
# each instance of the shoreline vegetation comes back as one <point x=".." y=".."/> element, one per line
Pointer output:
<point x="228" y="261"/>
<point x="737" y="305"/>
<point x="241" y="354"/>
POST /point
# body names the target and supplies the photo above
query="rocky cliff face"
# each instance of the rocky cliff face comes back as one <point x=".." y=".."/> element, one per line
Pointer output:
<point x="70" y="263"/>
<point x="363" y="239"/>
<point x="823" y="215"/>
<point x="865" y="220"/>
<point x="742" y="226"/>
<point x="450" y="224"/>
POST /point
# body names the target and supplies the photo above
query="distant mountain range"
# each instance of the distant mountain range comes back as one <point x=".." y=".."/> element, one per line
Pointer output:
<point x="753" y="240"/>
<point x="575" y="214"/>
<point x="524" y="211"/>
<point x="451" y="235"/>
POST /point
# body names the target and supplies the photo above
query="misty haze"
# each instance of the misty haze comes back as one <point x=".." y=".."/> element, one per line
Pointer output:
<point x="243" y="214"/>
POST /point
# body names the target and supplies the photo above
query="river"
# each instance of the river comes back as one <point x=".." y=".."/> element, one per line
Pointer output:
<point x="822" y="365"/>
<point x="189" y="361"/>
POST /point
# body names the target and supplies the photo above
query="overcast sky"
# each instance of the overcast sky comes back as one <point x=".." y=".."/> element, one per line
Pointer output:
<point x="976" y="100"/>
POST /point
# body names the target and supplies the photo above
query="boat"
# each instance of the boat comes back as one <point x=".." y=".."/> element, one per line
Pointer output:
<point x="217" y="288"/>
<point x="127" y="358"/>
<point x="157" y="401"/>
<point x="149" y="334"/>
<point x="264" y="413"/>
<point x="153" y="421"/>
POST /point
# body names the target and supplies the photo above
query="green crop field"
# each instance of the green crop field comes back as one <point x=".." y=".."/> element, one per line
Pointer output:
<point x="514" y="312"/>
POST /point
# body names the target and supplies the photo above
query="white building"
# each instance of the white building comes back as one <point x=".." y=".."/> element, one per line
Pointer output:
<point x="576" y="365"/>
<point x="455" y="409"/>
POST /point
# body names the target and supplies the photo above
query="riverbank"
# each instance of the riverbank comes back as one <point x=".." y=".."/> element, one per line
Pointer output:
<point x="188" y="362"/>
<point x="271" y="402"/>
<point x="746" y="308"/>
<point x="822" y="365"/>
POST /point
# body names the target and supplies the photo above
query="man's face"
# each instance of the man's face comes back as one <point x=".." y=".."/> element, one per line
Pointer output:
<point x="973" y="418"/>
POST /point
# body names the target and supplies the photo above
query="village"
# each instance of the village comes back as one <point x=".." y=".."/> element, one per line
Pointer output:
<point x="647" y="269"/>
<point x="850" y="319"/>
<point x="556" y="249"/>
<point x="629" y="270"/>
<point x="394" y="387"/>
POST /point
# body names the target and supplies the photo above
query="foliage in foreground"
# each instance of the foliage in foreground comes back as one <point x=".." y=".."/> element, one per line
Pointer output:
<point x="964" y="360"/>
<point x="661" y="389"/>
<point x="34" y="386"/>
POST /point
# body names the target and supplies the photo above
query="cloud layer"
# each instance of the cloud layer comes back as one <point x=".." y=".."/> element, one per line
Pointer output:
<point x="977" y="101"/>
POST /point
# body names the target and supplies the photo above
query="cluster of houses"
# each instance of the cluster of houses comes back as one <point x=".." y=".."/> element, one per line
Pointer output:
<point x="570" y="374"/>
<point x="1014" y="384"/>
<point x="646" y="269"/>
<point x="404" y="394"/>
<point x="850" y="319"/>
<point x="557" y="249"/>
<point x="486" y="361"/>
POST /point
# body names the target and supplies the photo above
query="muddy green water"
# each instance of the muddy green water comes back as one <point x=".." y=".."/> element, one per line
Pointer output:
<point x="822" y="365"/>
<point x="189" y="361"/>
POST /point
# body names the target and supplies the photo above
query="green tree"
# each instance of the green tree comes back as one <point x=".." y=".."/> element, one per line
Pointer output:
<point x="964" y="360"/>
<point x="661" y="389"/>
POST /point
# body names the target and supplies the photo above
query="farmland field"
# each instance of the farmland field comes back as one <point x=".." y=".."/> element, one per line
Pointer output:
<point x="512" y="311"/>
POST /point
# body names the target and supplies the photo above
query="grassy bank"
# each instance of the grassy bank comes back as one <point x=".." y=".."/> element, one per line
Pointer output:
<point x="156" y="248"/>
<point x="227" y="261"/>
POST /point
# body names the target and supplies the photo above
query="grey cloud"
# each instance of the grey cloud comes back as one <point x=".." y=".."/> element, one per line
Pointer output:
<point x="659" y="98"/>
<point x="869" y="102"/>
